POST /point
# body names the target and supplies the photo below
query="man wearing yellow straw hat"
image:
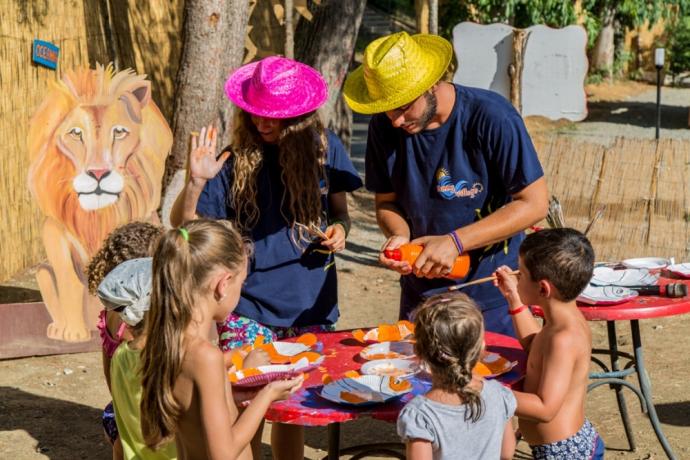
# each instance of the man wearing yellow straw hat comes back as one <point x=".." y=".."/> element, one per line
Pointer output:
<point x="453" y="169"/>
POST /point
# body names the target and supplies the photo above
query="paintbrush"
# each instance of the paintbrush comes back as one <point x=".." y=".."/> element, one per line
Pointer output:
<point x="478" y="281"/>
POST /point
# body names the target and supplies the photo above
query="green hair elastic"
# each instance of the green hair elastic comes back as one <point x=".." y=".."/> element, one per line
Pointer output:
<point x="184" y="233"/>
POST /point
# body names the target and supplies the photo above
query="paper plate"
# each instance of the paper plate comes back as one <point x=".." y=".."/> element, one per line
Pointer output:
<point x="388" y="350"/>
<point x="263" y="375"/>
<point x="390" y="367"/>
<point x="492" y="365"/>
<point x="604" y="276"/>
<point x="649" y="263"/>
<point x="680" y="269"/>
<point x="364" y="390"/>
<point x="386" y="332"/>
<point x="606" y="295"/>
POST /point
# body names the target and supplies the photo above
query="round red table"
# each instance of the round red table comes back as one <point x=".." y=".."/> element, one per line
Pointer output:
<point x="642" y="307"/>
<point x="307" y="408"/>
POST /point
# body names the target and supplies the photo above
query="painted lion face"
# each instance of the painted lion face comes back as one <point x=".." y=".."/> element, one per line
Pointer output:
<point x="98" y="145"/>
<point x="99" y="140"/>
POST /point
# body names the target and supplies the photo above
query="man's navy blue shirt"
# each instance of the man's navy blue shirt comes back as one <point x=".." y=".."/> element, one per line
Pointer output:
<point x="286" y="285"/>
<point x="452" y="176"/>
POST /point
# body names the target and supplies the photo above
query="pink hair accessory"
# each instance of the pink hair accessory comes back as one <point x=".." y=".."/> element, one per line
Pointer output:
<point x="277" y="87"/>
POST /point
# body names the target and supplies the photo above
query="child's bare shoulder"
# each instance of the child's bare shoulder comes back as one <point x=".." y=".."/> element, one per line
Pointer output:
<point x="201" y="356"/>
<point x="569" y="336"/>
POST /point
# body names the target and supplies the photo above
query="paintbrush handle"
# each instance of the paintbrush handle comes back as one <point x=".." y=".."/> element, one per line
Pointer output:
<point x="478" y="281"/>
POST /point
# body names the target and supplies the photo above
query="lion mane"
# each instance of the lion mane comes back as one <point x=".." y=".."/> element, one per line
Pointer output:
<point x="51" y="173"/>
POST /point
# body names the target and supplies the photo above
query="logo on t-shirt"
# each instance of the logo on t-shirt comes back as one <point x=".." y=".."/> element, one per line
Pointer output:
<point x="461" y="189"/>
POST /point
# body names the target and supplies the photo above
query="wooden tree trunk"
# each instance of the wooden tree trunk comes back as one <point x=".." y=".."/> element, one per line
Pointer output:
<point x="515" y="69"/>
<point x="327" y="44"/>
<point x="421" y="8"/>
<point x="214" y="34"/>
<point x="604" y="49"/>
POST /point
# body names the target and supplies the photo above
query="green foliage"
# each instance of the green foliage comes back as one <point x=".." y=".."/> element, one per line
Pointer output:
<point x="679" y="47"/>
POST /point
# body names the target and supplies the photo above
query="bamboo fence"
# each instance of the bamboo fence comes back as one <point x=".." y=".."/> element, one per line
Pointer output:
<point x="141" y="35"/>
<point x="642" y="185"/>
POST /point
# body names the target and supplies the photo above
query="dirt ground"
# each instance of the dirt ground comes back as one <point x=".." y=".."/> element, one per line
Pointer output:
<point x="50" y="407"/>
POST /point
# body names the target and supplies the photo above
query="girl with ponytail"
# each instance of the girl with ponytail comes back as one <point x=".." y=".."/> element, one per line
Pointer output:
<point x="198" y="271"/>
<point x="462" y="416"/>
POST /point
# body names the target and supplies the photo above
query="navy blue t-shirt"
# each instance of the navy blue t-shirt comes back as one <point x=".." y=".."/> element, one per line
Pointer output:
<point x="452" y="176"/>
<point x="286" y="285"/>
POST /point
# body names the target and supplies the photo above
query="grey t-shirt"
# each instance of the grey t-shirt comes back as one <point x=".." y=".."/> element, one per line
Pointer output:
<point x="449" y="433"/>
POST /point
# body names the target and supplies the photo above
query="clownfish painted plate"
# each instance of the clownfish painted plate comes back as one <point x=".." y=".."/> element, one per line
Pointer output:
<point x="262" y="375"/>
<point x="401" y="330"/>
<point x="388" y="350"/>
<point x="604" y="276"/>
<point x="365" y="390"/>
<point x="606" y="295"/>
<point x="492" y="365"/>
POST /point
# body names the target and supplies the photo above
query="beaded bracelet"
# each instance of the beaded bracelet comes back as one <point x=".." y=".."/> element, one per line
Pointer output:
<point x="517" y="310"/>
<point x="458" y="243"/>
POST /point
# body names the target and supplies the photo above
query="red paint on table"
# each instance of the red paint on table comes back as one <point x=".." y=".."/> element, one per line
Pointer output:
<point x="307" y="408"/>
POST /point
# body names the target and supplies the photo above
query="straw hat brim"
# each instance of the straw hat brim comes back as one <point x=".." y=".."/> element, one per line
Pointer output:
<point x="438" y="52"/>
<point x="309" y="93"/>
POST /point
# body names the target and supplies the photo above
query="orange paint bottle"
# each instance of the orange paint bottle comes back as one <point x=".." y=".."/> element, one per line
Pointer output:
<point x="409" y="253"/>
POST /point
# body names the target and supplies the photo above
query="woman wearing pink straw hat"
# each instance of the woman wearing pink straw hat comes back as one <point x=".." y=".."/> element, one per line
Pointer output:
<point x="283" y="181"/>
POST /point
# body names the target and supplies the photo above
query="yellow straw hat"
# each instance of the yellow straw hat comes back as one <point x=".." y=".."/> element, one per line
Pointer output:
<point x="397" y="69"/>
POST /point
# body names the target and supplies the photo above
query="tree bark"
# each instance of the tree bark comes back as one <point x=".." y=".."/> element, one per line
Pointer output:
<point x="515" y="69"/>
<point x="327" y="44"/>
<point x="214" y="35"/>
<point x="604" y="49"/>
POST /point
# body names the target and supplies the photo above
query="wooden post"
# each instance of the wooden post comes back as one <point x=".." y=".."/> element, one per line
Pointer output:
<point x="433" y="17"/>
<point x="421" y="8"/>
<point x="289" y="30"/>
<point x="515" y="69"/>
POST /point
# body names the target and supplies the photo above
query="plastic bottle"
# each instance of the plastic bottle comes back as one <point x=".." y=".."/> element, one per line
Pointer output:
<point x="409" y="253"/>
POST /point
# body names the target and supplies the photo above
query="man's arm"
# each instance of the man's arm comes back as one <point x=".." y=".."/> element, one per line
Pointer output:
<point x="528" y="207"/>
<point x="557" y="367"/>
<point x="394" y="227"/>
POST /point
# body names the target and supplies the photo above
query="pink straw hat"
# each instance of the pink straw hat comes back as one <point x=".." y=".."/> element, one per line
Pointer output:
<point x="277" y="87"/>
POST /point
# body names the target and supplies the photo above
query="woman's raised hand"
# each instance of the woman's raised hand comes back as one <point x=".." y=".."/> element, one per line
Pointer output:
<point x="203" y="164"/>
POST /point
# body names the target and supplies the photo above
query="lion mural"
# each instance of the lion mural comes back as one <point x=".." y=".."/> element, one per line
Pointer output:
<point x="98" y="145"/>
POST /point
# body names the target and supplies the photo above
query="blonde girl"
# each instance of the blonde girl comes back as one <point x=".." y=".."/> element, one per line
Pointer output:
<point x="198" y="271"/>
<point x="462" y="412"/>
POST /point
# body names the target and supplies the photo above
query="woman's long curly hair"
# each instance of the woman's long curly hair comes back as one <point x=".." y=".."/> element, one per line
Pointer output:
<point x="129" y="241"/>
<point x="302" y="147"/>
<point x="449" y="333"/>
<point x="182" y="264"/>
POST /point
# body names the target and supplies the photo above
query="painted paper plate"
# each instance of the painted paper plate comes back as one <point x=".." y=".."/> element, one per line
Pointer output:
<point x="650" y="263"/>
<point x="680" y="269"/>
<point x="262" y="375"/>
<point x="390" y="367"/>
<point x="365" y="390"/>
<point x="606" y="295"/>
<point x="388" y="350"/>
<point x="492" y="365"/>
<point x="604" y="276"/>
<point x="386" y="332"/>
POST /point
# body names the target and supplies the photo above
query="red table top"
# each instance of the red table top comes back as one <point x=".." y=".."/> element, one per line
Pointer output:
<point x="642" y="307"/>
<point x="307" y="408"/>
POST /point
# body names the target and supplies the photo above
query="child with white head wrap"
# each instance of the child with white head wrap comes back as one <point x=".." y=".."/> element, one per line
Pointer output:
<point x="127" y="290"/>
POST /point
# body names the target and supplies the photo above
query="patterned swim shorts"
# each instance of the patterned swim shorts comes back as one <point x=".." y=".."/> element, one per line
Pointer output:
<point x="109" y="424"/>
<point x="583" y="445"/>
<point x="238" y="330"/>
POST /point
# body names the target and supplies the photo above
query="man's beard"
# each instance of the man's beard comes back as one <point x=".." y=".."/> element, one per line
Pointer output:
<point x="429" y="112"/>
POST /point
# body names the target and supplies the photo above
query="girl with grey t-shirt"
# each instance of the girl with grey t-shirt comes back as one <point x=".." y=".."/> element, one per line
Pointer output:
<point x="462" y="416"/>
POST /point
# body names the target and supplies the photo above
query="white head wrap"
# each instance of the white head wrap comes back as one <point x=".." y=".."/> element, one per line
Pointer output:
<point x="128" y="287"/>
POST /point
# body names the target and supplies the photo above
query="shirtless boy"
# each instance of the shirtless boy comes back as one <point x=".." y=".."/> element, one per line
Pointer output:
<point x="555" y="266"/>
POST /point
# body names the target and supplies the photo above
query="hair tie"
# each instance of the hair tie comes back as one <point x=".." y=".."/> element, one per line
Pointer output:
<point x="184" y="233"/>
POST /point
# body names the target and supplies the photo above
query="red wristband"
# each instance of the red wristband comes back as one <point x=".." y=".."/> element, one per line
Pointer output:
<point x="517" y="310"/>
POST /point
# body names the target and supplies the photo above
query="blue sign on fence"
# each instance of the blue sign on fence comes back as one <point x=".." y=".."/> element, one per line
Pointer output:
<point x="45" y="53"/>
